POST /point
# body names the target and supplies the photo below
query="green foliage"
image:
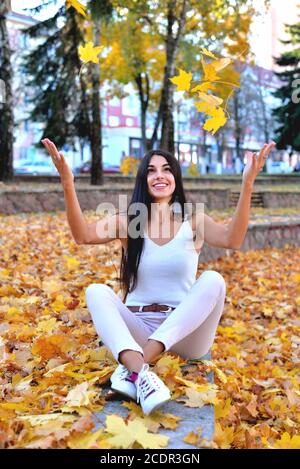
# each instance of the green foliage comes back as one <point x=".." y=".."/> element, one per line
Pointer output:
<point x="287" y="115"/>
<point x="57" y="93"/>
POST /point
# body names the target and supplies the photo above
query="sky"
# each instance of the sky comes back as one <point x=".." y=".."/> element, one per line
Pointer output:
<point x="20" y="5"/>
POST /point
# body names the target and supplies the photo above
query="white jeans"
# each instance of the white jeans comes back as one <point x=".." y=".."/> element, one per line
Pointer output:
<point x="189" y="330"/>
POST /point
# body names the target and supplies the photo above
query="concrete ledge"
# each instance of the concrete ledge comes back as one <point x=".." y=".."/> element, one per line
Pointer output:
<point x="39" y="200"/>
<point x="280" y="199"/>
<point x="263" y="179"/>
<point x="260" y="236"/>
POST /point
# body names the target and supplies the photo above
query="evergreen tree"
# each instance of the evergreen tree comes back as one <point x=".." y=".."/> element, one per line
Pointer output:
<point x="58" y="95"/>
<point x="288" y="114"/>
<point x="67" y="101"/>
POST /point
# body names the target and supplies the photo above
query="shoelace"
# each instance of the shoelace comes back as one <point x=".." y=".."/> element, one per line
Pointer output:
<point x="146" y="384"/>
<point x="124" y="373"/>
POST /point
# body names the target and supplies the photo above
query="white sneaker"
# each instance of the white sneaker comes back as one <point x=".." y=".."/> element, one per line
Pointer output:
<point x="121" y="382"/>
<point x="151" y="391"/>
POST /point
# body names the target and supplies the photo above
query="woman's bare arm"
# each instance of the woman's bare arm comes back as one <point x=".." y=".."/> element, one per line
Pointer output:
<point x="102" y="231"/>
<point x="76" y="219"/>
<point x="105" y="230"/>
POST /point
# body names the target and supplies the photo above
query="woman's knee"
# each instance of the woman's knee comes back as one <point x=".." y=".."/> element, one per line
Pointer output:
<point x="215" y="278"/>
<point x="98" y="289"/>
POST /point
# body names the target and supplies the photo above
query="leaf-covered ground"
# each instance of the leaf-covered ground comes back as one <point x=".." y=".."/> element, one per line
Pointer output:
<point x="54" y="371"/>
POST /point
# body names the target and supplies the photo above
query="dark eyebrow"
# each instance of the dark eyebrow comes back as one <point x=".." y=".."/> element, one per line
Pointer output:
<point x="152" y="166"/>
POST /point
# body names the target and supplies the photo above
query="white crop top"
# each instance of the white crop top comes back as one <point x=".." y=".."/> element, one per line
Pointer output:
<point x="166" y="273"/>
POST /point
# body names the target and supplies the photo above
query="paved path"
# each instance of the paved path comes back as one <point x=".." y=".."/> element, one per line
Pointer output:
<point x="192" y="418"/>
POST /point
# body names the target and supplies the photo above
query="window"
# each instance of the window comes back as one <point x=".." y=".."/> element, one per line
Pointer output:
<point x="135" y="147"/>
<point x="23" y="153"/>
<point x="129" y="122"/>
<point x="114" y="121"/>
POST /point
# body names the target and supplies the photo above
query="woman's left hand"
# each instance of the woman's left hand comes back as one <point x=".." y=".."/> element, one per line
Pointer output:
<point x="255" y="163"/>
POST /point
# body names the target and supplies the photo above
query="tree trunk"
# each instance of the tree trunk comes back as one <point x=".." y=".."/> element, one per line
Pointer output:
<point x="144" y="101"/>
<point x="264" y="116"/>
<point x="96" y="126"/>
<point x="166" y="105"/>
<point x="6" y="106"/>
<point x="238" y="130"/>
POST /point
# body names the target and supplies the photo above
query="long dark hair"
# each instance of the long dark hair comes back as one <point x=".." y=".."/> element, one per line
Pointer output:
<point x="131" y="258"/>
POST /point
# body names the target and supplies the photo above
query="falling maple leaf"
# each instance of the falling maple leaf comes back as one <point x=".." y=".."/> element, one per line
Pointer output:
<point x="221" y="63"/>
<point x="210" y="73"/>
<point x="205" y="51"/>
<point x="210" y="99"/>
<point x="79" y="7"/>
<point x="204" y="87"/>
<point x="217" y="120"/>
<point x="183" y="80"/>
<point x="89" y="53"/>
<point x="210" y="104"/>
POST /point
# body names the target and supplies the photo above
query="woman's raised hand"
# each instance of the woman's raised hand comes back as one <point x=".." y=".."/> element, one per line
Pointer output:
<point x="255" y="162"/>
<point x="59" y="161"/>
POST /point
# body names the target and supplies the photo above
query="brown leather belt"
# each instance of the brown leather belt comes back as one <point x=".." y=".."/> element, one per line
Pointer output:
<point x="154" y="307"/>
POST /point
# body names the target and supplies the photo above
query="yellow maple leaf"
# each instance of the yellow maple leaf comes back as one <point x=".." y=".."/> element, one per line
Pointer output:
<point x="135" y="432"/>
<point x="58" y="305"/>
<point x="214" y="367"/>
<point x="86" y="441"/>
<point x="210" y="73"/>
<point x="221" y="410"/>
<point x="81" y="9"/>
<point x="207" y="85"/>
<point x="198" y="387"/>
<point x="48" y="325"/>
<point x="40" y="419"/>
<point x="153" y="421"/>
<point x="201" y="106"/>
<point x="4" y="273"/>
<point x="71" y="262"/>
<point x="79" y="395"/>
<point x="199" y="399"/>
<point x="205" y="51"/>
<point x="217" y="120"/>
<point x="168" y="364"/>
<point x="287" y="442"/>
<point x="183" y="80"/>
<point x="89" y="53"/>
<point x="223" y="436"/>
<point x="220" y="63"/>
<point x="210" y="99"/>
<point x="51" y="285"/>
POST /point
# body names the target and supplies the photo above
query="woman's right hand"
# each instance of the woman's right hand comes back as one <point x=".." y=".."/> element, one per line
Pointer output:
<point x="59" y="161"/>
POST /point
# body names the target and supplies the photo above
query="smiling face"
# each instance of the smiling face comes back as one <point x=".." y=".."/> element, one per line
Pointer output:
<point x="160" y="179"/>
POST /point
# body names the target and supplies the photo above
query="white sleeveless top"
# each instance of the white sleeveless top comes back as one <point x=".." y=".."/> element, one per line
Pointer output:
<point x="167" y="272"/>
